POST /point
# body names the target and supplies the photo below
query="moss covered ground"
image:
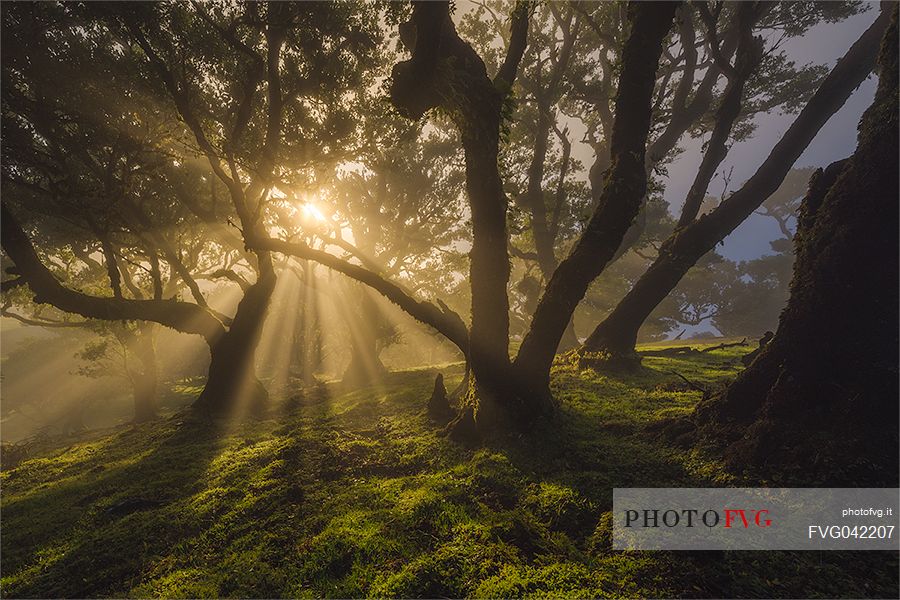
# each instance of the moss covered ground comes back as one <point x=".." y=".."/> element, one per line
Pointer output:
<point x="355" y="494"/>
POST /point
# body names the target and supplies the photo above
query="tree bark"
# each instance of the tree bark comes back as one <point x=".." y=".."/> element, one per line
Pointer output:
<point x="820" y="401"/>
<point x="446" y="72"/>
<point x="232" y="382"/>
<point x="612" y="342"/>
<point x="619" y="203"/>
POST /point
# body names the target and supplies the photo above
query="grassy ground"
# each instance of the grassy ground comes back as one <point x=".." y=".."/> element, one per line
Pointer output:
<point x="355" y="494"/>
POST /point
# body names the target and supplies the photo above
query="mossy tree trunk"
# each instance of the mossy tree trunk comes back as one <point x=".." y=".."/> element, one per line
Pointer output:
<point x="820" y="401"/>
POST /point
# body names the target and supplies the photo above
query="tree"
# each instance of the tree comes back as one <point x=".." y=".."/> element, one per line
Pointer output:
<point x="252" y="109"/>
<point x="564" y="79"/>
<point x="209" y="77"/>
<point x="446" y="73"/>
<point x="820" y="402"/>
<point x="612" y="342"/>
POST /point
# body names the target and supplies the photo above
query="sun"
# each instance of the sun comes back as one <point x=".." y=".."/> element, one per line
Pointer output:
<point x="311" y="212"/>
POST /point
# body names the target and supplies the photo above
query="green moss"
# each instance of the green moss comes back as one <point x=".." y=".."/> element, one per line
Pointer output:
<point x="356" y="495"/>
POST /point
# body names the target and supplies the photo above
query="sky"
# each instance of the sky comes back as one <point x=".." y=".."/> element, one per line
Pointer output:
<point x="823" y="44"/>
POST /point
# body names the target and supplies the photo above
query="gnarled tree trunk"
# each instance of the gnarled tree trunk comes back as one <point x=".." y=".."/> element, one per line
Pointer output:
<point x="620" y="201"/>
<point x="820" y="401"/>
<point x="446" y="72"/>
<point x="232" y="374"/>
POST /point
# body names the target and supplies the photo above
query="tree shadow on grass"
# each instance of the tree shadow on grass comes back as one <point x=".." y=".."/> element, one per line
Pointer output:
<point x="85" y="535"/>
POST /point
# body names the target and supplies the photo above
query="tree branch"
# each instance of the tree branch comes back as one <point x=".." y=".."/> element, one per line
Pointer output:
<point x="518" y="40"/>
<point x="181" y="316"/>
<point x="444" y="321"/>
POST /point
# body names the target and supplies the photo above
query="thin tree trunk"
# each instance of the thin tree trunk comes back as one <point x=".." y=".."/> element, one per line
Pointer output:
<point x="534" y="195"/>
<point x="820" y="402"/>
<point x="614" y="339"/>
<point x="749" y="54"/>
<point x="365" y="367"/>
<point x="310" y="333"/>
<point x="545" y="233"/>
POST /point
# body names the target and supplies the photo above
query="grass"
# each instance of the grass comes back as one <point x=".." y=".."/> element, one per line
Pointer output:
<point x="354" y="494"/>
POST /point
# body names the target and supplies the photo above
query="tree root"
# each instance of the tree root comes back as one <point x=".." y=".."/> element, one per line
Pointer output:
<point x="463" y="429"/>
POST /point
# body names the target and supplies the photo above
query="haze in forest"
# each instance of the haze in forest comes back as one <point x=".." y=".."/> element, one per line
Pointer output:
<point x="63" y="378"/>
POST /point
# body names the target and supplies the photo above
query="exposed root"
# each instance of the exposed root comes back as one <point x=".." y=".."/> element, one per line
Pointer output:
<point x="463" y="429"/>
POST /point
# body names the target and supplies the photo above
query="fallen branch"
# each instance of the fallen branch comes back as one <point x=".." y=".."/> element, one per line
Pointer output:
<point x="693" y="385"/>
<point x="743" y="342"/>
<point x="690" y="350"/>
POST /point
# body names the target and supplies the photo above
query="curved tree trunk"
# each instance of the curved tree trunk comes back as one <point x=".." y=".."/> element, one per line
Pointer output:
<point x="232" y="374"/>
<point x="614" y="339"/>
<point x="820" y="402"/>
<point x="620" y="201"/>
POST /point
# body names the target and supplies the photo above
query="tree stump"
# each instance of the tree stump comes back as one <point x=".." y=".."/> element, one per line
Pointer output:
<point x="438" y="405"/>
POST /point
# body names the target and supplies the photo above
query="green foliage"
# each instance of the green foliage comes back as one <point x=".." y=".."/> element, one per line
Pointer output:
<point x="355" y="495"/>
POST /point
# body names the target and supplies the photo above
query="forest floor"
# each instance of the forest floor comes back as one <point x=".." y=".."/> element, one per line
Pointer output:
<point x="354" y="494"/>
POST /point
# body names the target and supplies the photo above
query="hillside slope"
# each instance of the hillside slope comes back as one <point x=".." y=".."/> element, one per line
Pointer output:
<point x="355" y="494"/>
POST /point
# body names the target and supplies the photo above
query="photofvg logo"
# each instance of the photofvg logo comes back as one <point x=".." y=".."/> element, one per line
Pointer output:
<point x="691" y="517"/>
<point x="755" y="518"/>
